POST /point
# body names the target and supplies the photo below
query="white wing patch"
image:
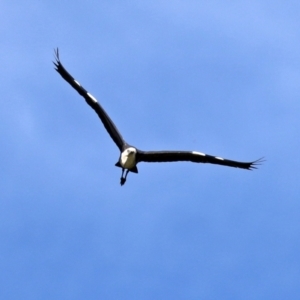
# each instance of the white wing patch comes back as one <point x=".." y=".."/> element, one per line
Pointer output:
<point x="198" y="153"/>
<point x="220" y="158"/>
<point x="92" y="97"/>
<point x="77" y="82"/>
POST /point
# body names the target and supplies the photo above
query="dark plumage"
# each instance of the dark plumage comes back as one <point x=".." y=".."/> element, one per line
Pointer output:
<point x="130" y="156"/>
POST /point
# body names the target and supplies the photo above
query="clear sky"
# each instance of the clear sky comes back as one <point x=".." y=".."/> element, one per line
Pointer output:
<point x="219" y="77"/>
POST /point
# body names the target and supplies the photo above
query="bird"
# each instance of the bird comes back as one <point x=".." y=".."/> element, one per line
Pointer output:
<point x="130" y="156"/>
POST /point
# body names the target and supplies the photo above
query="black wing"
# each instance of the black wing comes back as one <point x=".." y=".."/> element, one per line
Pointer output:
<point x="193" y="156"/>
<point x="91" y="101"/>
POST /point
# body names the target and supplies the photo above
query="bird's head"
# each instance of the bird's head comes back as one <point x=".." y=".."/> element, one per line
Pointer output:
<point x="130" y="151"/>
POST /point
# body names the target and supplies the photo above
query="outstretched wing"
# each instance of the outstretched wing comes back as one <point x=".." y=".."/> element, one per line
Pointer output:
<point x="91" y="101"/>
<point x="193" y="156"/>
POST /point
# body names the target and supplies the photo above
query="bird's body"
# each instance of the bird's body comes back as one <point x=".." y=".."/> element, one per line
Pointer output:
<point x="130" y="156"/>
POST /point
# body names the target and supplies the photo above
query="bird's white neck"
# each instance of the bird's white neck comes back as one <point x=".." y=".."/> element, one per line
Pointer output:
<point x="128" y="158"/>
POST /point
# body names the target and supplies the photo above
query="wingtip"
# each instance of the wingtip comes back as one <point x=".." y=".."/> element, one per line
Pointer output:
<point x="57" y="60"/>
<point x="56" y="53"/>
<point x="256" y="163"/>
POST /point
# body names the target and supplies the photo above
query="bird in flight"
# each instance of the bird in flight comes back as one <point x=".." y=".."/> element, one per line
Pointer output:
<point x="130" y="156"/>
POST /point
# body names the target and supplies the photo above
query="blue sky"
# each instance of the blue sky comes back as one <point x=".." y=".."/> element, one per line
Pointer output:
<point x="222" y="78"/>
